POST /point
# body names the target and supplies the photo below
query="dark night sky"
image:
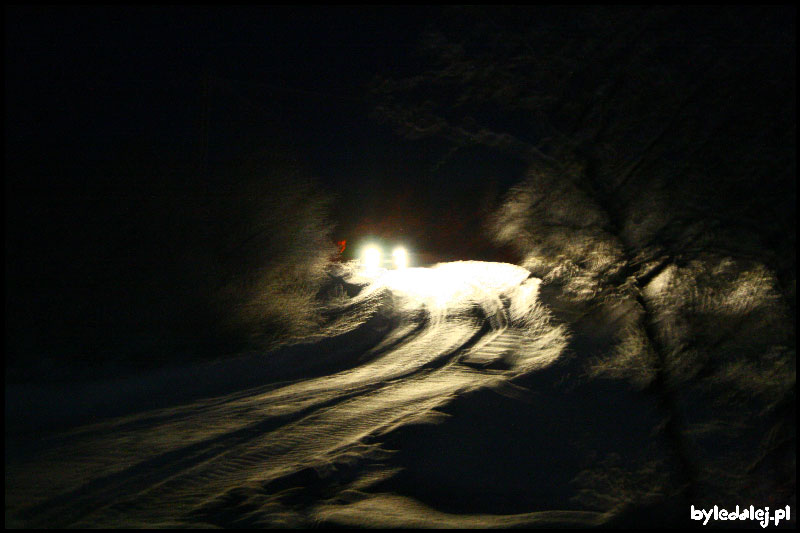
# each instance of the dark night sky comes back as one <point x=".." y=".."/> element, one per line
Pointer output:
<point x="85" y="84"/>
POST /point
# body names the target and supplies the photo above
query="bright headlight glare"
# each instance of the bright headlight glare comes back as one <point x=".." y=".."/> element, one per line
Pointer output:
<point x="400" y="257"/>
<point x="372" y="257"/>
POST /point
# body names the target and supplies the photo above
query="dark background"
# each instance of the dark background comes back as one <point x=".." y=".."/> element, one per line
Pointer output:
<point x="126" y="126"/>
<point x="94" y="85"/>
<point x="176" y="180"/>
<point x="128" y="129"/>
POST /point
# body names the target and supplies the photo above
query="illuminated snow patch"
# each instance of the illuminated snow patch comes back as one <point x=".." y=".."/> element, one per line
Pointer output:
<point x="448" y="283"/>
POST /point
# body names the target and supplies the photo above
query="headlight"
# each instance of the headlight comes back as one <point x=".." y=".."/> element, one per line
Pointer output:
<point x="400" y="257"/>
<point x="372" y="257"/>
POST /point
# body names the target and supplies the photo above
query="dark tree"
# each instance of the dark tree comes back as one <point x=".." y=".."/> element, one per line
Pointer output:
<point x="660" y="191"/>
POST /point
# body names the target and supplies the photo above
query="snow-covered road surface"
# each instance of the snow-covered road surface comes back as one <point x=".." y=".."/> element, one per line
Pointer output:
<point x="254" y="442"/>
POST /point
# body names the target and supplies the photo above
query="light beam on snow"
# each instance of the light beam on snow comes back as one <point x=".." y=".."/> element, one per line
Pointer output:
<point x="435" y="335"/>
<point x="451" y="282"/>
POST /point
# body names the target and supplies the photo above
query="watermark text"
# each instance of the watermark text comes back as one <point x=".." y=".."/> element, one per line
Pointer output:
<point x="763" y="515"/>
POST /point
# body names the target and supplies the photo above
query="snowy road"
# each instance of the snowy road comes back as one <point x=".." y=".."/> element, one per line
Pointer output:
<point x="250" y="443"/>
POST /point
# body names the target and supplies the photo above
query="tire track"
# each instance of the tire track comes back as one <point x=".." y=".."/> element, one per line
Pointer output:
<point x="162" y="471"/>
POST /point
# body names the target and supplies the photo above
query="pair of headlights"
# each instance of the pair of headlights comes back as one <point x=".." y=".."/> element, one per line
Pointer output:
<point x="372" y="257"/>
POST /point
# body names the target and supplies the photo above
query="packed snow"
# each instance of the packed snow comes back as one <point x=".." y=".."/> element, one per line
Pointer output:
<point x="309" y="434"/>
